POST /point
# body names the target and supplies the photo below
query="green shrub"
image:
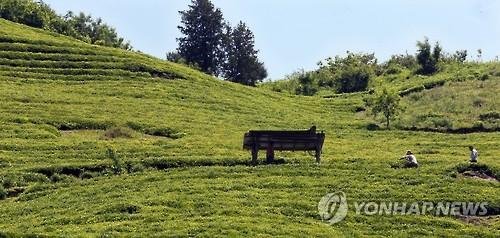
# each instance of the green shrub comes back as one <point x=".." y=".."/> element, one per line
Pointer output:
<point x="393" y="69"/>
<point x="490" y="116"/>
<point x="121" y="208"/>
<point x="478" y="125"/>
<point x="411" y="90"/>
<point x="116" y="166"/>
<point x="484" y="77"/>
<point x="155" y="131"/>
<point x="89" y="175"/>
<point x="307" y="84"/>
<point x="433" y="84"/>
<point x="34" y="178"/>
<point x="80" y="124"/>
<point x="372" y="127"/>
<point x="3" y="193"/>
<point x="83" y="27"/>
<point x="62" y="178"/>
<point x="440" y="122"/>
<point x="353" y="79"/>
<point x="132" y="167"/>
<point x="119" y="132"/>
<point x="478" y="102"/>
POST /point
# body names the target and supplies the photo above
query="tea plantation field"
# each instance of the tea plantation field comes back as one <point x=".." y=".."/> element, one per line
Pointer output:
<point x="97" y="141"/>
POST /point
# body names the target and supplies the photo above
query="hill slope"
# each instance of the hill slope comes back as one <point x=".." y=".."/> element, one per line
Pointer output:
<point x="183" y="170"/>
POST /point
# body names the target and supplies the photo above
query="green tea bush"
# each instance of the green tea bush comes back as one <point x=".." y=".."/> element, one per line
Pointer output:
<point x="55" y="72"/>
<point x="80" y="124"/>
<point x="58" y="57"/>
<point x="490" y="116"/>
<point x="3" y="193"/>
<point x="393" y="69"/>
<point x="116" y="166"/>
<point x="478" y="102"/>
<point x="443" y="123"/>
<point x="433" y="84"/>
<point x="89" y="175"/>
<point x="50" y="48"/>
<point x="62" y="178"/>
<point x="34" y="178"/>
<point x="119" y="132"/>
<point x="121" y="208"/>
<point x="411" y="90"/>
<point x="372" y="127"/>
<point x="133" y="167"/>
<point x="155" y="131"/>
<point x="484" y="77"/>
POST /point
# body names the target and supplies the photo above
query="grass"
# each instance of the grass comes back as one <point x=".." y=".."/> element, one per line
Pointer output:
<point x="468" y="104"/>
<point x="183" y="172"/>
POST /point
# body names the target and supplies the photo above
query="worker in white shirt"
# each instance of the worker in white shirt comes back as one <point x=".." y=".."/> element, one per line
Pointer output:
<point x="411" y="160"/>
<point x="473" y="154"/>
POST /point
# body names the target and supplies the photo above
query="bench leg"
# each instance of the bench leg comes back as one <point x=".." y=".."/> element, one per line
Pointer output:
<point x="255" y="155"/>
<point x="318" y="156"/>
<point x="270" y="154"/>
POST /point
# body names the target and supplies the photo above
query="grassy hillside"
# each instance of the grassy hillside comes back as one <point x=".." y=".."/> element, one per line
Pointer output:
<point x="470" y="104"/>
<point x="183" y="172"/>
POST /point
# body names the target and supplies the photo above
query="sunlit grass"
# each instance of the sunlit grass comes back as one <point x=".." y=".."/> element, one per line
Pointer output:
<point x="184" y="170"/>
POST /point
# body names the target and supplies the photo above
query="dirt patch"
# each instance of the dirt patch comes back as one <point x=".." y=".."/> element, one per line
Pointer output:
<point x="16" y="191"/>
<point x="477" y="220"/>
<point x="475" y="129"/>
<point x="477" y="171"/>
<point x="478" y="175"/>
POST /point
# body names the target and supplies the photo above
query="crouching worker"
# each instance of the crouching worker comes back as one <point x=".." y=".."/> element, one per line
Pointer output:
<point x="410" y="160"/>
<point x="473" y="154"/>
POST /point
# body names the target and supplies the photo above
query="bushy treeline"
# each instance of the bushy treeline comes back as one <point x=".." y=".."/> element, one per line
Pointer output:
<point x="355" y="72"/>
<point x="81" y="26"/>
<point x="210" y="44"/>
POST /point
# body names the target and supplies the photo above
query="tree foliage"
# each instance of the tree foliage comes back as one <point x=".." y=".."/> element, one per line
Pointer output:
<point x="83" y="27"/>
<point x="460" y="56"/>
<point x="399" y="62"/>
<point x="428" y="57"/>
<point x="385" y="102"/>
<point x="307" y="83"/>
<point x="348" y="74"/>
<point x="242" y="65"/>
<point x="211" y="45"/>
<point x="202" y="44"/>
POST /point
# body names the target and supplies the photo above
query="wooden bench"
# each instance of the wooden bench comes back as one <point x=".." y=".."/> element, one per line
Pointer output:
<point x="302" y="140"/>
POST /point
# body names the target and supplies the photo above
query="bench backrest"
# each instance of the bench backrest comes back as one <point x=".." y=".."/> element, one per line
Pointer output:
<point x="299" y="140"/>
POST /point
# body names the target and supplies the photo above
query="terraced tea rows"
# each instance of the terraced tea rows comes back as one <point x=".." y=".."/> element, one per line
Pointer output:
<point x="102" y="142"/>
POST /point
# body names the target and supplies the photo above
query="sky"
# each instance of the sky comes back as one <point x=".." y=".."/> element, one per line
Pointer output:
<point x="297" y="34"/>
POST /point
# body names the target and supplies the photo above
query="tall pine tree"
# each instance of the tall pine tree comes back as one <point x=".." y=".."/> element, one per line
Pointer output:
<point x="242" y="64"/>
<point x="201" y="45"/>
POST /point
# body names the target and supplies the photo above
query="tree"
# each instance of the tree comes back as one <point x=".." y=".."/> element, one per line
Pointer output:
<point x="404" y="60"/>
<point x="428" y="58"/>
<point x="28" y="12"/>
<point x="242" y="65"/>
<point x="202" y="26"/>
<point x="385" y="102"/>
<point x="307" y="85"/>
<point x="348" y="74"/>
<point x="460" y="56"/>
<point x="93" y="31"/>
<point x="83" y="27"/>
<point x="175" y="57"/>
